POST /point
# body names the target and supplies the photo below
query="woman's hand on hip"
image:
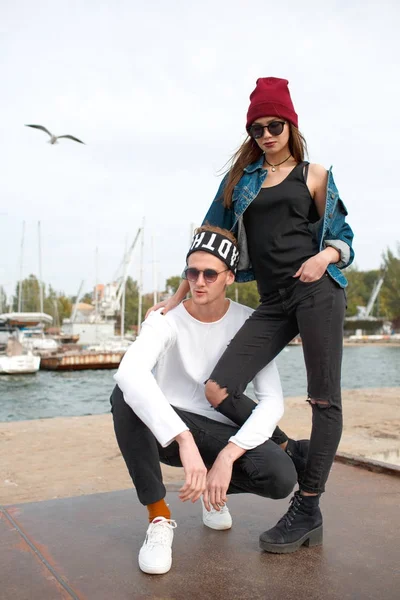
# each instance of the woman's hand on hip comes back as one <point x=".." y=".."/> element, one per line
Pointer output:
<point x="313" y="268"/>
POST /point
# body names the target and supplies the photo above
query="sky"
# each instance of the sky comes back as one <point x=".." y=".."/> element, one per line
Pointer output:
<point x="159" y="92"/>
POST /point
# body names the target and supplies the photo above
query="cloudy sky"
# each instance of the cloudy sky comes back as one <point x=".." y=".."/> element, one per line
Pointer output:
<point x="159" y="92"/>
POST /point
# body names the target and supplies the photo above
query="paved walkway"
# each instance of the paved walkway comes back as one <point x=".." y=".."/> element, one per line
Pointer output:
<point x="86" y="548"/>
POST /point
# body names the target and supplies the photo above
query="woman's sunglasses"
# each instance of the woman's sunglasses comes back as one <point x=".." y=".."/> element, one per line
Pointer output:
<point x="210" y="276"/>
<point x="256" y="131"/>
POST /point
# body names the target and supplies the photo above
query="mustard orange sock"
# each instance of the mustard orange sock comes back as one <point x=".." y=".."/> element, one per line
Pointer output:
<point x="158" y="509"/>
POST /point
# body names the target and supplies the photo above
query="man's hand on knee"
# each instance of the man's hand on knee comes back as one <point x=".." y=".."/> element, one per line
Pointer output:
<point x="220" y="475"/>
<point x="195" y="469"/>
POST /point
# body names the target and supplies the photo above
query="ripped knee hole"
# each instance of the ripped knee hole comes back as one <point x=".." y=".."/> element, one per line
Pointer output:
<point x="318" y="402"/>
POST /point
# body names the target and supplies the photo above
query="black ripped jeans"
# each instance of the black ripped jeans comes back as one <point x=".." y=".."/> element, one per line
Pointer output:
<point x="315" y="310"/>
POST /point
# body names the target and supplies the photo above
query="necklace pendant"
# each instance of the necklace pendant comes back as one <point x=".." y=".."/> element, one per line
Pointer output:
<point x="273" y="169"/>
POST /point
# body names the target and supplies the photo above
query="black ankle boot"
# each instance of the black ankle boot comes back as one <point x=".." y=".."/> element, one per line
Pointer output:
<point x="298" y="452"/>
<point x="302" y="524"/>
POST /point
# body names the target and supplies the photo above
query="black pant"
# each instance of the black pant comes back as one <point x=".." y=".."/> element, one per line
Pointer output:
<point x="316" y="311"/>
<point x="266" y="470"/>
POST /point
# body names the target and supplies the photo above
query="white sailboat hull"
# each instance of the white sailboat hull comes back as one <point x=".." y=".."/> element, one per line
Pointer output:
<point x="18" y="365"/>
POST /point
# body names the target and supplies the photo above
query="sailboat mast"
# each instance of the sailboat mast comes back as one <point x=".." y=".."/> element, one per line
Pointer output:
<point x="96" y="303"/>
<point x="20" y="269"/>
<point x="96" y="300"/>
<point x="122" y="328"/>
<point x="40" y="269"/>
<point x="154" y="270"/>
<point x="140" y="286"/>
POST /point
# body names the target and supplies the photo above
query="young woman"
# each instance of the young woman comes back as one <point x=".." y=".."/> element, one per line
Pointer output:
<point x="293" y="239"/>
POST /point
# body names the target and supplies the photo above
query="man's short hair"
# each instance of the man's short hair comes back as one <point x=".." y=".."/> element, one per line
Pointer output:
<point x="215" y="229"/>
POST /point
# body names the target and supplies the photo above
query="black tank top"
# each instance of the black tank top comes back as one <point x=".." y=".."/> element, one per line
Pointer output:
<point x="277" y="228"/>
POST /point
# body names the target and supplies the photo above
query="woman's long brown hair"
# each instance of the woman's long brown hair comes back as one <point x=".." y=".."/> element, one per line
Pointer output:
<point x="250" y="152"/>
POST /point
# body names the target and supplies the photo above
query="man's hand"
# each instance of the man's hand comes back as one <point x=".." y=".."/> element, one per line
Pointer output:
<point x="195" y="469"/>
<point x="314" y="268"/>
<point x="220" y="475"/>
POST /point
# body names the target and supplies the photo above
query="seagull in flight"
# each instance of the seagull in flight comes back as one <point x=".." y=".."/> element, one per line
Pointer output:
<point x="54" y="138"/>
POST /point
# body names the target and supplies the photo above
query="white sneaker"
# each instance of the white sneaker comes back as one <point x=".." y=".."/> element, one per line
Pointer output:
<point x="217" y="519"/>
<point x="155" y="556"/>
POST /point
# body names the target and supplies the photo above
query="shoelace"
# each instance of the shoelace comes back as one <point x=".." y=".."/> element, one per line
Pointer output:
<point x="294" y="505"/>
<point x="159" y="532"/>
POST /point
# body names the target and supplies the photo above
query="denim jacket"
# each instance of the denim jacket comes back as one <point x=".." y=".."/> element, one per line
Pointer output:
<point x="330" y="230"/>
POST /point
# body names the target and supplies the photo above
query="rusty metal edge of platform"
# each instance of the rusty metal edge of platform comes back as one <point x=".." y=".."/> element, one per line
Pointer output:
<point x="38" y="554"/>
<point x="375" y="466"/>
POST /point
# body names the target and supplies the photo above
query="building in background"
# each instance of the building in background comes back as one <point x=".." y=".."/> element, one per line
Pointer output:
<point x="89" y="325"/>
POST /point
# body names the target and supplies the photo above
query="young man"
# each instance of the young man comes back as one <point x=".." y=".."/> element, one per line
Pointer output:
<point x="161" y="413"/>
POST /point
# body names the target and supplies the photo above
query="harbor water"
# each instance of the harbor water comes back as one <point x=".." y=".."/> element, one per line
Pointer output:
<point x="53" y="394"/>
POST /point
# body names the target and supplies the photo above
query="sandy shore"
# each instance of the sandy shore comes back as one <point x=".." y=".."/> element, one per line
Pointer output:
<point x="55" y="458"/>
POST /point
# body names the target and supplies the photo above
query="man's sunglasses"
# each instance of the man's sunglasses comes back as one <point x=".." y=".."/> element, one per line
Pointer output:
<point x="210" y="276"/>
<point x="256" y="131"/>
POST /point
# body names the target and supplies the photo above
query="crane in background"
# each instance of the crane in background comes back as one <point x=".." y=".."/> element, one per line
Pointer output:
<point x="374" y="295"/>
<point x="75" y="309"/>
<point x="109" y="299"/>
<point x="364" y="312"/>
<point x="113" y="293"/>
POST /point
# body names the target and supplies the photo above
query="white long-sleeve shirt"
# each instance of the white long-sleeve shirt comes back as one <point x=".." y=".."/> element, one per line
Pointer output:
<point x="167" y="366"/>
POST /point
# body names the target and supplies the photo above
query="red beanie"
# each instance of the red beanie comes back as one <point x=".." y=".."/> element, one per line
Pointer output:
<point x="271" y="98"/>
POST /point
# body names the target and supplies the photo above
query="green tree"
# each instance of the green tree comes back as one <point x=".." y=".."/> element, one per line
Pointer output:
<point x="64" y="307"/>
<point x="132" y="306"/>
<point x="245" y="293"/>
<point x="3" y="300"/>
<point x="147" y="302"/>
<point x="87" y="298"/>
<point x="55" y="304"/>
<point x="172" y="284"/>
<point x="30" y="295"/>
<point x="359" y="289"/>
<point x="58" y="305"/>
<point x="50" y="306"/>
<point x="390" y="296"/>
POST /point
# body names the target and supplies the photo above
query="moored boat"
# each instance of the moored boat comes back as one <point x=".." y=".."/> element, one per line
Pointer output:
<point x="21" y="364"/>
<point x="15" y="359"/>
<point x="76" y="361"/>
